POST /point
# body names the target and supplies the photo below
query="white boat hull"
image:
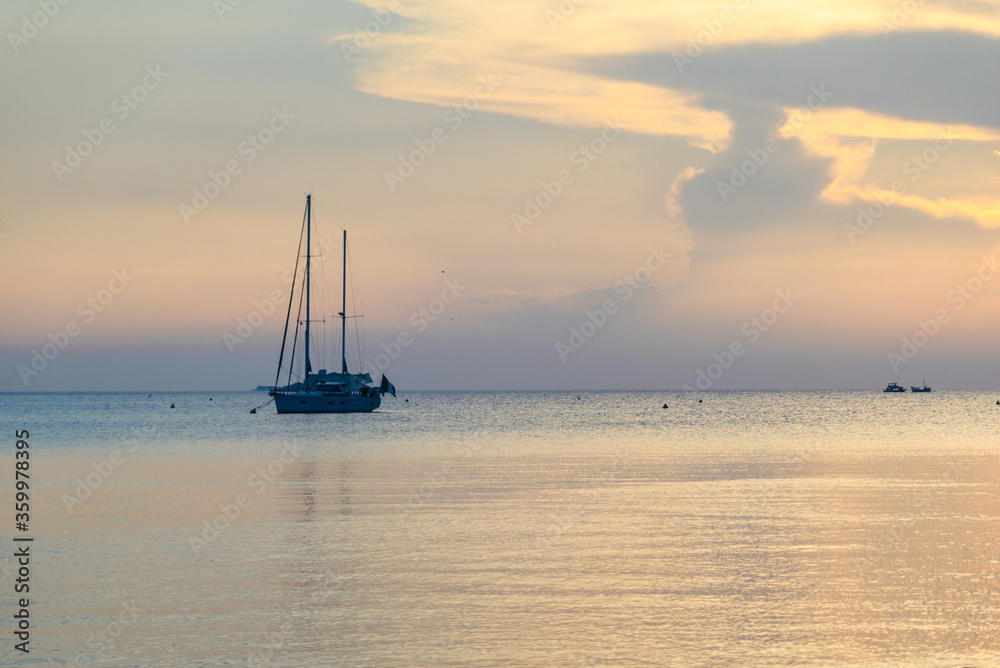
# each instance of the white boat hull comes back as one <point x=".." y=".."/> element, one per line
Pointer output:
<point x="318" y="402"/>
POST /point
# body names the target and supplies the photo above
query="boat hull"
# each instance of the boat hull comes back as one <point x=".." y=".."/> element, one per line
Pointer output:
<point x="315" y="402"/>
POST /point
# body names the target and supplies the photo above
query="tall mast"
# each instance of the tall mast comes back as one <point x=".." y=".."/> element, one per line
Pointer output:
<point x="343" y="312"/>
<point x="308" y="256"/>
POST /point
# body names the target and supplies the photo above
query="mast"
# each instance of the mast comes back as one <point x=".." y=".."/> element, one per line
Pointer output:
<point x="308" y="256"/>
<point x="288" y="314"/>
<point x="343" y="312"/>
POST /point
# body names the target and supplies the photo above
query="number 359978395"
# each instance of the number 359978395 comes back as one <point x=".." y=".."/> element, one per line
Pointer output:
<point x="21" y="476"/>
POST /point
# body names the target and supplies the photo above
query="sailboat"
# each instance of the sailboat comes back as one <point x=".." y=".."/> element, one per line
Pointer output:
<point x="323" y="391"/>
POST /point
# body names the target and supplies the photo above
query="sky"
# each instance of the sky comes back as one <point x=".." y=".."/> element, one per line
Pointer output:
<point x="609" y="194"/>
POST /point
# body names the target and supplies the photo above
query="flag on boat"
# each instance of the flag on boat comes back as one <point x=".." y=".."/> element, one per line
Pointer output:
<point x="387" y="386"/>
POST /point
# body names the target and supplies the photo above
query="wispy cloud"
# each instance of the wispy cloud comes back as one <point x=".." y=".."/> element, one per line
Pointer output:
<point x="850" y="136"/>
<point x="533" y="45"/>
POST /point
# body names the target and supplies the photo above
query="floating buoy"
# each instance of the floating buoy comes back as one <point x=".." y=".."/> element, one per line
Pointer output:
<point x="172" y="406"/>
<point x="210" y="398"/>
<point x="406" y="401"/>
<point x="998" y="402"/>
<point x="699" y="401"/>
<point x="253" y="411"/>
<point x="666" y="406"/>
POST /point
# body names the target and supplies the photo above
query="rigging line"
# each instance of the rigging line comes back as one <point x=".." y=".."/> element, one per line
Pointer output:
<point x="344" y="330"/>
<point x="359" y="327"/>
<point x="330" y="337"/>
<point x="325" y="336"/>
<point x="329" y="216"/>
<point x="354" y="304"/>
<point x="295" y="338"/>
<point x="350" y="271"/>
<point x="255" y="408"/>
<point x="284" y="335"/>
<point x="334" y="220"/>
<point x="322" y="305"/>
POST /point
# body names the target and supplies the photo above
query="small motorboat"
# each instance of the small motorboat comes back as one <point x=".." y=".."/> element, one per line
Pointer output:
<point x="894" y="387"/>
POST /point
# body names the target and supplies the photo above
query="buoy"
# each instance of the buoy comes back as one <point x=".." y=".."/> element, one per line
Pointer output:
<point x="665" y="406"/>
<point x="253" y="411"/>
<point x="172" y="406"/>
<point x="406" y="401"/>
<point x="998" y="402"/>
<point x="699" y="401"/>
<point x="210" y="398"/>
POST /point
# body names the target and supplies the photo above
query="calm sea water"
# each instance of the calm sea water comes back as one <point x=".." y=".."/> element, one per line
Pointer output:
<point x="528" y="529"/>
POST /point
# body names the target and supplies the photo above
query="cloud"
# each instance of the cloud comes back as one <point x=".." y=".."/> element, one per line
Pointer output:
<point x="891" y="78"/>
<point x="535" y="48"/>
<point x="930" y="76"/>
<point x="672" y="200"/>
<point x="849" y="138"/>
<point x="915" y="90"/>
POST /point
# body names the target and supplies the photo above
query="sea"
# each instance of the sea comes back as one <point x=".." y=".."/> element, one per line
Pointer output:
<point x="637" y="528"/>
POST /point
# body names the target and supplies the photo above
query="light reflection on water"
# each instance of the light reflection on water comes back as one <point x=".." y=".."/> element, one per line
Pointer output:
<point x="522" y="529"/>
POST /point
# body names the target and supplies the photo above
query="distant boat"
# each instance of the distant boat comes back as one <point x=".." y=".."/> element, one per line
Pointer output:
<point x="925" y="388"/>
<point x="323" y="392"/>
<point x="894" y="387"/>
